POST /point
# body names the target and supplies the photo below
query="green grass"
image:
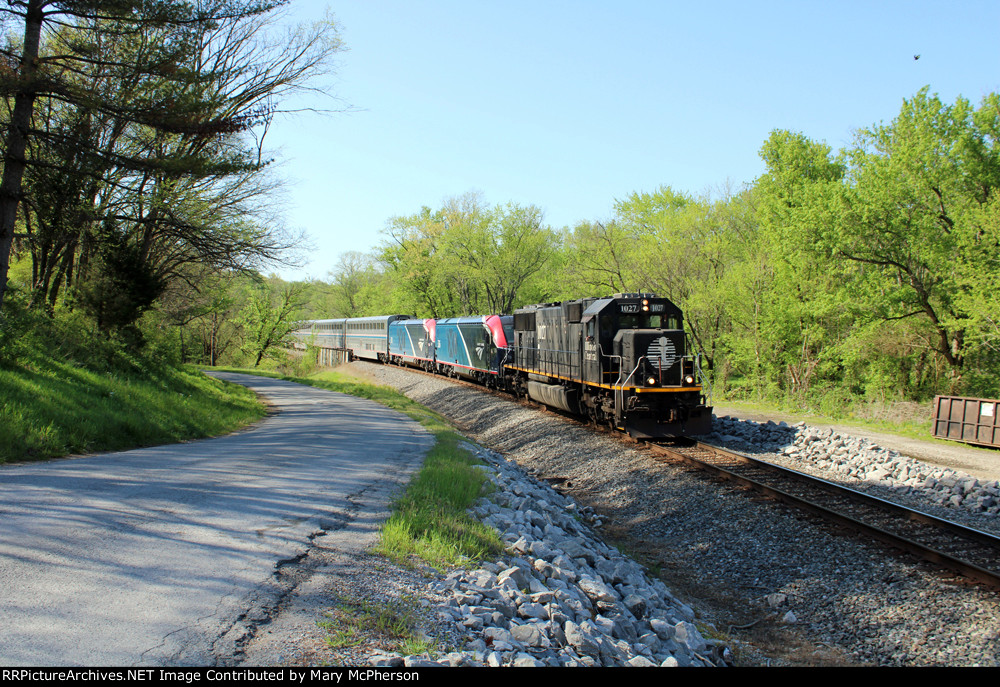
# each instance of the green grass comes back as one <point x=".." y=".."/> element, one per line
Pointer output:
<point x="429" y="521"/>
<point x="51" y="408"/>
<point x="913" y="421"/>
<point x="352" y="622"/>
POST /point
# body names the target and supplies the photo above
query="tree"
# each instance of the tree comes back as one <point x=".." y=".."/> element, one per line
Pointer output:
<point x="420" y="269"/>
<point x="41" y="76"/>
<point x="269" y="317"/>
<point x="725" y="246"/>
<point x="918" y="216"/>
<point x="501" y="248"/>
<point x="680" y="247"/>
<point x="201" y="310"/>
<point x="881" y="258"/>
<point x="803" y="311"/>
<point x="466" y="257"/>
<point x="121" y="289"/>
<point x="353" y="273"/>
<point x="157" y="99"/>
<point x="980" y="268"/>
<point x="602" y="256"/>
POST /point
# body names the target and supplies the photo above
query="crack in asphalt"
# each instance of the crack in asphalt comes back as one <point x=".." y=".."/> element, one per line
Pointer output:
<point x="265" y="603"/>
<point x="186" y="552"/>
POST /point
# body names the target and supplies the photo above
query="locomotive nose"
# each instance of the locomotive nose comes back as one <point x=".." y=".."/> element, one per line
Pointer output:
<point x="661" y="352"/>
<point x="653" y="354"/>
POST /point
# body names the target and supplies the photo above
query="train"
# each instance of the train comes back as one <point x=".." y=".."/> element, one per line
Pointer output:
<point x="619" y="360"/>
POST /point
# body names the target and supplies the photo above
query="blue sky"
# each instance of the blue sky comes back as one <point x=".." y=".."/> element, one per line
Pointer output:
<point x="570" y="105"/>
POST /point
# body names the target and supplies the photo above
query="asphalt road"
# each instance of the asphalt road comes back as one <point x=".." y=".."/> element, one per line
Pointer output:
<point x="173" y="555"/>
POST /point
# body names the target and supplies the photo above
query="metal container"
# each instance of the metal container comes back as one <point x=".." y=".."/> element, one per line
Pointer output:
<point x="972" y="420"/>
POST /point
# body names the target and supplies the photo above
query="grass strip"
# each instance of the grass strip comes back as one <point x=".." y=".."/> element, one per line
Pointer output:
<point x="429" y="521"/>
<point x="52" y="408"/>
<point x="356" y="621"/>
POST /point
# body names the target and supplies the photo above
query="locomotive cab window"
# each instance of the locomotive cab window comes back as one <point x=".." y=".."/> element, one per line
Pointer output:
<point x="648" y="322"/>
<point x="607" y="327"/>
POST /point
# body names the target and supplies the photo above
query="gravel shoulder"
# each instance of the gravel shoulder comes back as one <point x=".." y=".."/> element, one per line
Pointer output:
<point x="983" y="463"/>
<point x="779" y="587"/>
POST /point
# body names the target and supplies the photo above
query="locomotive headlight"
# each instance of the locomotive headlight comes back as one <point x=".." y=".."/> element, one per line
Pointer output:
<point x="645" y="305"/>
<point x="689" y="379"/>
<point x="651" y="381"/>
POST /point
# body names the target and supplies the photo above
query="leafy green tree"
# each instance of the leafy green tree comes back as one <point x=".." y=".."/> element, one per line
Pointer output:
<point x="602" y="257"/>
<point x="917" y="216"/>
<point x="501" y="249"/>
<point x="269" y="317"/>
<point x="413" y="255"/>
<point x="879" y="259"/>
<point x="680" y="247"/>
<point x="121" y="289"/>
<point x="145" y="115"/>
<point x="803" y="311"/>
<point x="467" y="258"/>
<point x="725" y="244"/>
<point x="349" y="291"/>
<point x="41" y="77"/>
<point x="201" y="310"/>
<point x="977" y="298"/>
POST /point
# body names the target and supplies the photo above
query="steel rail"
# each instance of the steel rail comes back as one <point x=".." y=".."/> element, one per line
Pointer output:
<point x="922" y="551"/>
<point x="970" y="570"/>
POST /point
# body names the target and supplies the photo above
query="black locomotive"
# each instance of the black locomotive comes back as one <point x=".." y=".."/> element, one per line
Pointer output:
<point x="619" y="360"/>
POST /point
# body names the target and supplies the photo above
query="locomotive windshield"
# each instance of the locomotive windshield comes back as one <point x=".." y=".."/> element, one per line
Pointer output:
<point x="645" y="321"/>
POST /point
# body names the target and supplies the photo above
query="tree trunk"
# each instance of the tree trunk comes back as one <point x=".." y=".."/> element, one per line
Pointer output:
<point x="17" y="139"/>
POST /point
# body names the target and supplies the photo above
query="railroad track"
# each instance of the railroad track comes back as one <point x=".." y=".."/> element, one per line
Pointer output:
<point x="965" y="550"/>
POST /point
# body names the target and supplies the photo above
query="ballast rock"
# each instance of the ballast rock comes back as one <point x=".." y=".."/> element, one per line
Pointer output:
<point x="853" y="459"/>
<point x="859" y="606"/>
<point x="561" y="597"/>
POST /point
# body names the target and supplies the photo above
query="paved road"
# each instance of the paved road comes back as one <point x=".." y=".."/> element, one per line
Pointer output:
<point x="174" y="554"/>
